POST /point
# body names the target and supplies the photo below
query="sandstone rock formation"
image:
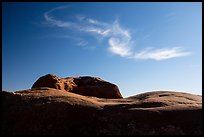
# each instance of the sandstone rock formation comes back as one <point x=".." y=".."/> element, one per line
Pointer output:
<point x="86" y="85"/>
<point x="49" y="111"/>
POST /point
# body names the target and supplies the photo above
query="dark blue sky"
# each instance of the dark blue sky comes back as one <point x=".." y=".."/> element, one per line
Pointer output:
<point x="138" y="46"/>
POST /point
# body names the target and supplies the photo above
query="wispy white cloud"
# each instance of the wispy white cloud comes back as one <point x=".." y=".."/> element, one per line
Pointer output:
<point x="119" y="38"/>
<point x="50" y="19"/>
<point x="96" y="22"/>
<point x="82" y="43"/>
<point x="120" y="48"/>
<point x="120" y="41"/>
<point x="95" y="30"/>
<point x="161" y="54"/>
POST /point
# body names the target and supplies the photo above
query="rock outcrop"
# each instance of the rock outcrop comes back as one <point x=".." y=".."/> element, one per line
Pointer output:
<point x="50" y="111"/>
<point x="86" y="85"/>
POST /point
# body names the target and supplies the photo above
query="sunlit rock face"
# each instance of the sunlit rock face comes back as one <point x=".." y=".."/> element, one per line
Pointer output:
<point x="86" y="85"/>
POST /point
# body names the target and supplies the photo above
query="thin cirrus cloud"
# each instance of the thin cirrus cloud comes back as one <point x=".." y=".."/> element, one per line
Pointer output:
<point x="161" y="54"/>
<point x="82" y="43"/>
<point x="119" y="39"/>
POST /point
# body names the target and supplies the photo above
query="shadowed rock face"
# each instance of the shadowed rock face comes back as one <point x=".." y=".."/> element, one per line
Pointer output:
<point x="87" y="86"/>
<point x="49" y="111"/>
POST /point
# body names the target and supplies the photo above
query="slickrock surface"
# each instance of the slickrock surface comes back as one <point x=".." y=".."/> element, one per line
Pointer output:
<point x="50" y="111"/>
<point x="86" y="85"/>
